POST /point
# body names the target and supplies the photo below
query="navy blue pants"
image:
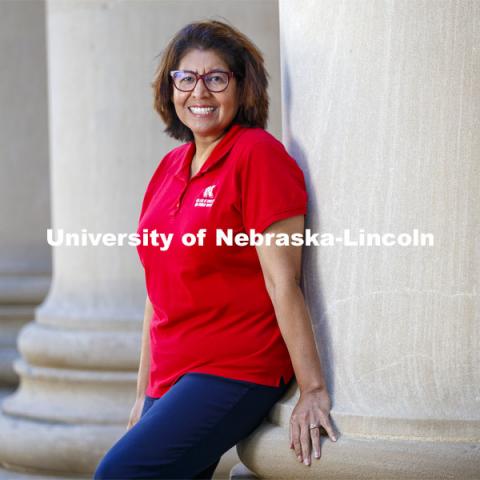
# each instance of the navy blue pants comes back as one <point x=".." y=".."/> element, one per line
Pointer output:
<point x="184" y="433"/>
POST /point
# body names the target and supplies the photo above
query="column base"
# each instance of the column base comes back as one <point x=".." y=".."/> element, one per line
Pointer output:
<point x="266" y="453"/>
<point x="54" y="449"/>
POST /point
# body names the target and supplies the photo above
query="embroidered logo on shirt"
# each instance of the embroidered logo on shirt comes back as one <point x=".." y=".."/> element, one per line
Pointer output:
<point x="207" y="198"/>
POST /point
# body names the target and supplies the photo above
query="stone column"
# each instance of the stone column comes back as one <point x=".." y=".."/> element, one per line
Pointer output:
<point x="381" y="107"/>
<point x="25" y="260"/>
<point x="80" y="356"/>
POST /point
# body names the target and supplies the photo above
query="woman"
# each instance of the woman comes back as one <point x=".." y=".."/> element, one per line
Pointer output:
<point x="225" y="326"/>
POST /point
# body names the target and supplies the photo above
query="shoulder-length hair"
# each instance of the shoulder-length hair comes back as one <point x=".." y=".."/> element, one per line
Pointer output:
<point x="243" y="58"/>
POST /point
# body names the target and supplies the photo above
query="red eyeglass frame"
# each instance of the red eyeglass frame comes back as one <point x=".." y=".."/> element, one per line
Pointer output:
<point x="201" y="77"/>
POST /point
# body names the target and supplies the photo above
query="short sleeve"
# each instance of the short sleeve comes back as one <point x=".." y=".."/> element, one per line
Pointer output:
<point x="272" y="184"/>
<point x="151" y="186"/>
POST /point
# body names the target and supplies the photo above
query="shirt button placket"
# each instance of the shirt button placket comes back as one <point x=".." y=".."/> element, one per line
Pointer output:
<point x="177" y="204"/>
<point x="177" y="207"/>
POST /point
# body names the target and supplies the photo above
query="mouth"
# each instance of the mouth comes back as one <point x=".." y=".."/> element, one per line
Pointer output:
<point x="202" y="111"/>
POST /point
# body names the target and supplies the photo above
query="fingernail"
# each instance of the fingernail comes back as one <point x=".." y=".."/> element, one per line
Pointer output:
<point x="334" y="439"/>
<point x="306" y="461"/>
<point x="299" y="458"/>
<point x="317" y="455"/>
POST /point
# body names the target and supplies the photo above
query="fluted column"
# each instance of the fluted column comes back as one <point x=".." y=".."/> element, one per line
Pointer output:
<point x="80" y="355"/>
<point x="25" y="260"/>
<point x="381" y="106"/>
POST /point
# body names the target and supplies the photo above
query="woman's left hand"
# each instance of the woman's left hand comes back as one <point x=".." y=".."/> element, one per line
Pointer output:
<point x="313" y="408"/>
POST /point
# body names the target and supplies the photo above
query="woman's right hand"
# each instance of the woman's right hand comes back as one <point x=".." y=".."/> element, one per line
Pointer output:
<point x="136" y="412"/>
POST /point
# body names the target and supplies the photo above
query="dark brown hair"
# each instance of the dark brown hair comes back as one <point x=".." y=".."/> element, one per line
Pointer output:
<point x="241" y="55"/>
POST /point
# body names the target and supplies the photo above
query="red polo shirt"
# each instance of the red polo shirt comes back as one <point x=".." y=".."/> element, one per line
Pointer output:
<point x="212" y="312"/>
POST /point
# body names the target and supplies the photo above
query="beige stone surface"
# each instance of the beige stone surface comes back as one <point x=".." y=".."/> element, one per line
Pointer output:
<point x="13" y="475"/>
<point x="79" y="357"/>
<point x="267" y="454"/>
<point x="25" y="262"/>
<point x="381" y="110"/>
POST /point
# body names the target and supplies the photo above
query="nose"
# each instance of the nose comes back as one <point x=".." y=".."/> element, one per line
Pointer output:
<point x="200" y="89"/>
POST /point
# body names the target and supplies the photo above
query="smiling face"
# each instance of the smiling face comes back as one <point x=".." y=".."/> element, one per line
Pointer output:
<point x="219" y="109"/>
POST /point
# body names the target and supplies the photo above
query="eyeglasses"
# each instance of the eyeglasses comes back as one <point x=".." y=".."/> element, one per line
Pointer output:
<point x="215" y="81"/>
